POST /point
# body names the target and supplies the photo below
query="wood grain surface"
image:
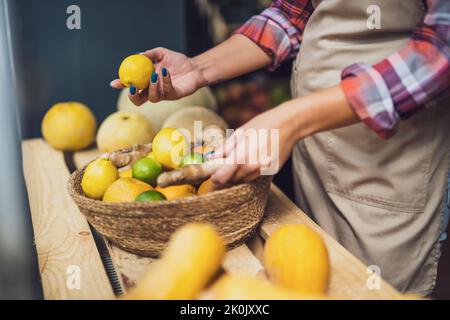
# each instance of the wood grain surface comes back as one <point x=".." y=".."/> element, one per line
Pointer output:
<point x="66" y="249"/>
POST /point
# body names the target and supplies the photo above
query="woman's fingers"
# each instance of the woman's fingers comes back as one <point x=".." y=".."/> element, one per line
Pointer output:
<point x="117" y="84"/>
<point x="244" y="171"/>
<point x="156" y="54"/>
<point x="168" y="89"/>
<point x="226" y="148"/>
<point x="153" y="91"/>
<point x="224" y="174"/>
<point x="252" y="176"/>
<point x="137" y="98"/>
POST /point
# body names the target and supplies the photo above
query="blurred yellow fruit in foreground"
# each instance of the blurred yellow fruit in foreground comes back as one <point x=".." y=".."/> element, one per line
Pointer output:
<point x="122" y="130"/>
<point x="192" y="258"/>
<point x="125" y="190"/>
<point x="170" y="147"/>
<point x="234" y="287"/>
<point x="177" y="192"/>
<point x="69" y="126"/>
<point x="97" y="177"/>
<point x="136" y="70"/>
<point x="296" y="257"/>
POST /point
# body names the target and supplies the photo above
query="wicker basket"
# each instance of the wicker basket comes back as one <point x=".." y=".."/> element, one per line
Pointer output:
<point x="145" y="228"/>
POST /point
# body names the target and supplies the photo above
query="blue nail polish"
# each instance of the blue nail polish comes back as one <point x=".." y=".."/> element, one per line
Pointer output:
<point x="154" y="77"/>
<point x="132" y="90"/>
<point x="209" y="154"/>
<point x="164" y="72"/>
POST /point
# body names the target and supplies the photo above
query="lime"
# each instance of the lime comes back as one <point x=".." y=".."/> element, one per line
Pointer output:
<point x="192" y="158"/>
<point x="149" y="196"/>
<point x="147" y="170"/>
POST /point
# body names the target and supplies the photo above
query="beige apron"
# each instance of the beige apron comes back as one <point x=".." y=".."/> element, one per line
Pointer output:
<point x="381" y="199"/>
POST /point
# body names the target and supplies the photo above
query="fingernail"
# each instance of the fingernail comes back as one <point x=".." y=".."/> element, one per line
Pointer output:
<point x="132" y="90"/>
<point x="154" y="77"/>
<point x="111" y="84"/>
<point x="164" y="72"/>
<point x="209" y="154"/>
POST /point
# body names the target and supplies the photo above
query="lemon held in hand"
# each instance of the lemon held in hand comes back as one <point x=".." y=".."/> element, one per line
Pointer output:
<point x="136" y="70"/>
<point x="150" y="196"/>
<point x="97" y="177"/>
<point x="69" y="126"/>
<point x="147" y="170"/>
<point x="170" y="147"/>
<point x="125" y="190"/>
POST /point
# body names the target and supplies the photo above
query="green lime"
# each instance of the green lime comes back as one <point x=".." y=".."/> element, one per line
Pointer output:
<point x="192" y="158"/>
<point x="147" y="170"/>
<point x="149" y="196"/>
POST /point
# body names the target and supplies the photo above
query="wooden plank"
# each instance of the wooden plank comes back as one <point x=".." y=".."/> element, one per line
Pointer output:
<point x="130" y="267"/>
<point x="82" y="158"/>
<point x="241" y="261"/>
<point x="64" y="243"/>
<point x="348" y="274"/>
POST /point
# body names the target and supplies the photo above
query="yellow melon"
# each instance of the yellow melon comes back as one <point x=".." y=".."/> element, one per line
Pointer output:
<point x="193" y="257"/>
<point x="296" y="257"/>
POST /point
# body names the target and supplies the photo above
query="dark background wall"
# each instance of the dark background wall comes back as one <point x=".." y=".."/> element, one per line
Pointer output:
<point x="55" y="64"/>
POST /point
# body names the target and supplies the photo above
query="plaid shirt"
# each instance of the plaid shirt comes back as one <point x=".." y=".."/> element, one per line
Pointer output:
<point x="415" y="77"/>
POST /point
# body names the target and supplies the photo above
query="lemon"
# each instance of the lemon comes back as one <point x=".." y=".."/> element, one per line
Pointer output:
<point x="97" y="177"/>
<point x="122" y="130"/>
<point x="128" y="173"/>
<point x="136" y="70"/>
<point x="150" y="196"/>
<point x="147" y="170"/>
<point x="151" y="155"/>
<point x="177" y="192"/>
<point x="170" y="147"/>
<point x="125" y="190"/>
<point x="69" y="126"/>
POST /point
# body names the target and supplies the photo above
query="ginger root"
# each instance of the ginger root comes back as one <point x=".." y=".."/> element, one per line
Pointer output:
<point x="127" y="157"/>
<point x="191" y="174"/>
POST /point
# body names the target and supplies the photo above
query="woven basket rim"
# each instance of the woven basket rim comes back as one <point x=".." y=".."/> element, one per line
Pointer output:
<point x="76" y="195"/>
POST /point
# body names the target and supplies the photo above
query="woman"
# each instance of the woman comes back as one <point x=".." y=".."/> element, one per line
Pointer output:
<point x="369" y="140"/>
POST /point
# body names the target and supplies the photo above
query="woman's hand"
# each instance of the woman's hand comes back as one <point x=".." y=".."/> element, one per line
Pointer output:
<point x="178" y="76"/>
<point x="259" y="147"/>
<point x="175" y="76"/>
<point x="294" y="120"/>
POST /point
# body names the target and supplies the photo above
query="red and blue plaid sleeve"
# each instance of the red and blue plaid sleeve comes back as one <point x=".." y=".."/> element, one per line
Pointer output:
<point x="278" y="30"/>
<point x="413" y="78"/>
